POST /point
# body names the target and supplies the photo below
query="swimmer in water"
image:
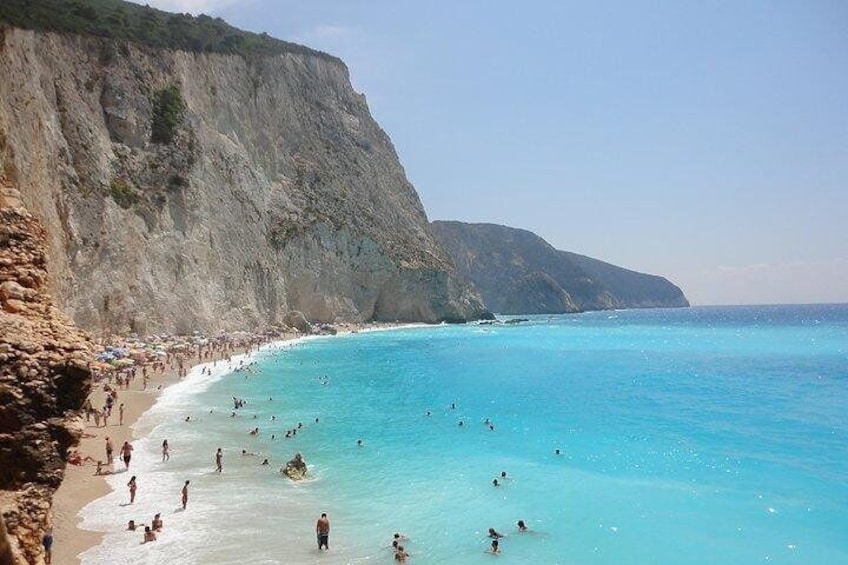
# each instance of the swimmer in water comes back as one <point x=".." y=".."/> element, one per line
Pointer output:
<point x="401" y="555"/>
<point x="495" y="548"/>
<point x="522" y="527"/>
<point x="494" y="534"/>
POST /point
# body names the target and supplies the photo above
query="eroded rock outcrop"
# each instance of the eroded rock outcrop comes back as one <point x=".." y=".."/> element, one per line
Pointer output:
<point x="44" y="377"/>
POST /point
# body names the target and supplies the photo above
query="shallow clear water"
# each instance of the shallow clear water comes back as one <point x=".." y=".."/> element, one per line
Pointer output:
<point x="705" y="435"/>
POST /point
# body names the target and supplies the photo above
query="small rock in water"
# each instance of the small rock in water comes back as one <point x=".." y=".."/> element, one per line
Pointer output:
<point x="296" y="468"/>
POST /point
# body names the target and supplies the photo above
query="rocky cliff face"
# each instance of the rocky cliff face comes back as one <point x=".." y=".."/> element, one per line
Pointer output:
<point x="517" y="272"/>
<point x="630" y="288"/>
<point x="187" y="191"/>
<point x="43" y="379"/>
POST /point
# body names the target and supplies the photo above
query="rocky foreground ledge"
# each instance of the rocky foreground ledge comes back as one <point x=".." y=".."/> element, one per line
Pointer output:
<point x="44" y="380"/>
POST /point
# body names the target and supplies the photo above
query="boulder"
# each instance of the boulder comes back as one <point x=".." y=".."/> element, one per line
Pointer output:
<point x="11" y="290"/>
<point x="296" y="468"/>
<point x="297" y="320"/>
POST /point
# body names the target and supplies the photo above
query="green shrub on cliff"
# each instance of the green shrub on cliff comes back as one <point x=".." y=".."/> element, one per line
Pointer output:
<point x="117" y="19"/>
<point x="168" y="108"/>
<point x="122" y="193"/>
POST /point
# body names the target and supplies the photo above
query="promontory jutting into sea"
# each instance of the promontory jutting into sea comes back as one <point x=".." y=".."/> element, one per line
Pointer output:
<point x="230" y="334"/>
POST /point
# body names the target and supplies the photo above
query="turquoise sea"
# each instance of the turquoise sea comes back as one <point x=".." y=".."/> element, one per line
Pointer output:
<point x="687" y="436"/>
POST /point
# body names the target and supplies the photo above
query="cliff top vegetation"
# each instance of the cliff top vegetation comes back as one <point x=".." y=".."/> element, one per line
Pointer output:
<point x="121" y="20"/>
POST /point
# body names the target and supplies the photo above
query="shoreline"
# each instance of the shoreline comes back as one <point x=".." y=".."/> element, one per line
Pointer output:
<point x="81" y="486"/>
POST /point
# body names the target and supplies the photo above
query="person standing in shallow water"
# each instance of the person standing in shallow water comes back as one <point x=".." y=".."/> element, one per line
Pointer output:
<point x="126" y="453"/>
<point x="219" y="459"/>
<point x="495" y="549"/>
<point x="133" y="486"/>
<point x="166" y="454"/>
<point x="322" y="530"/>
<point x="185" y="494"/>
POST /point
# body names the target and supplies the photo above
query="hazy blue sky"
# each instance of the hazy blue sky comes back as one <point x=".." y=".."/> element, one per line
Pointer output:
<point x="703" y="141"/>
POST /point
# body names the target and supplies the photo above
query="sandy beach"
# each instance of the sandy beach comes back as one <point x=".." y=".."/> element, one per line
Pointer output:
<point x="81" y="485"/>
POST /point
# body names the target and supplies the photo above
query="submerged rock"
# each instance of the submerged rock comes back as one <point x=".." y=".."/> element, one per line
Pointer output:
<point x="296" y="468"/>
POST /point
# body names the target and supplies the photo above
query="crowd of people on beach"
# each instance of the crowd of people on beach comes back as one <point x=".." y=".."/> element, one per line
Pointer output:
<point x="170" y="354"/>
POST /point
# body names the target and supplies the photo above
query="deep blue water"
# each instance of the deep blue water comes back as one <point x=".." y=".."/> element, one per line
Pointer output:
<point x="701" y="435"/>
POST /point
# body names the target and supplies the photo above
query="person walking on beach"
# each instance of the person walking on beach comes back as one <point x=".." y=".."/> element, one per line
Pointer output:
<point x="133" y="486"/>
<point x="322" y="529"/>
<point x="47" y="542"/>
<point x="109" y="449"/>
<point x="165" y="453"/>
<point x="219" y="458"/>
<point x="121" y="414"/>
<point x="185" y="494"/>
<point x="126" y="453"/>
